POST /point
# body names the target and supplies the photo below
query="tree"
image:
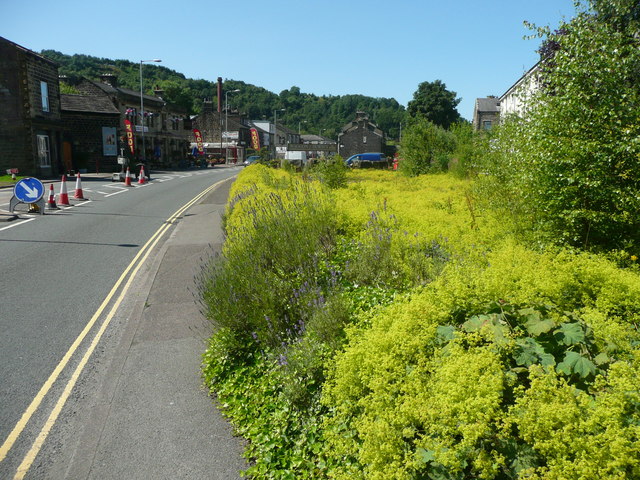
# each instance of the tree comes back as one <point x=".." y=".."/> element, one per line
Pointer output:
<point x="435" y="103"/>
<point x="571" y="165"/>
<point x="425" y="147"/>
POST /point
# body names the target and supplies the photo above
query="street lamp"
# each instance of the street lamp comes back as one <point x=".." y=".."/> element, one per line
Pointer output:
<point x="275" y="134"/>
<point x="300" y="123"/>
<point x="226" y="118"/>
<point x="142" y="106"/>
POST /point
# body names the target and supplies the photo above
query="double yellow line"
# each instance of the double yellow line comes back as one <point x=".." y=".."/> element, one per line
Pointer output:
<point x="129" y="272"/>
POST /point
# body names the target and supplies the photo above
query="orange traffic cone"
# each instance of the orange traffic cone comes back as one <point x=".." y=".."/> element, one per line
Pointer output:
<point x="63" y="197"/>
<point x="79" y="195"/>
<point x="51" y="203"/>
<point x="127" y="178"/>
<point x="141" y="178"/>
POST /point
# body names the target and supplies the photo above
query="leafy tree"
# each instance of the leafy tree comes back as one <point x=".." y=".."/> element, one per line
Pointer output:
<point x="425" y="148"/>
<point x="434" y="102"/>
<point x="570" y="167"/>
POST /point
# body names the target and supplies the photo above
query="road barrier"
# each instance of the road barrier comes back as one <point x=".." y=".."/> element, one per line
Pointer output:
<point x="63" y="197"/>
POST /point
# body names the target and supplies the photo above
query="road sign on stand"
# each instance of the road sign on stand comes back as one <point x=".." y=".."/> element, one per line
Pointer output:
<point x="28" y="190"/>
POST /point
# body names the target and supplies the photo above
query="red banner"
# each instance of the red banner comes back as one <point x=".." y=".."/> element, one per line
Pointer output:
<point x="198" y="136"/>
<point x="129" y="129"/>
<point x="255" y="139"/>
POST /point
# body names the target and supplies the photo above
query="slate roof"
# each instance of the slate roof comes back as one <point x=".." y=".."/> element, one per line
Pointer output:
<point x="87" y="104"/>
<point x="488" y="104"/>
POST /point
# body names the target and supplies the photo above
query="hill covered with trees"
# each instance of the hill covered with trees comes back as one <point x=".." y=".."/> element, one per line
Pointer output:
<point x="305" y="111"/>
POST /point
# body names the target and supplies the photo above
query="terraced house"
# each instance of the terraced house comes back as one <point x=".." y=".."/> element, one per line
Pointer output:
<point x="30" y="117"/>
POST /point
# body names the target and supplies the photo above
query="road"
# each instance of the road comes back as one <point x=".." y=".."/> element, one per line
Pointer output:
<point x="63" y="275"/>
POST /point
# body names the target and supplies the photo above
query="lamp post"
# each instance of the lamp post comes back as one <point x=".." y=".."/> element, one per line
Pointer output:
<point x="142" y="106"/>
<point x="226" y="125"/>
<point x="299" y="124"/>
<point x="275" y="133"/>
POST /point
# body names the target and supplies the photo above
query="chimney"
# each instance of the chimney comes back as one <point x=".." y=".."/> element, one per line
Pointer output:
<point x="219" y="94"/>
<point x="109" y="79"/>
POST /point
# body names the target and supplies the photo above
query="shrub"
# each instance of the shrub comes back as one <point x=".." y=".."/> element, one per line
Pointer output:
<point x="425" y="148"/>
<point x="443" y="385"/>
<point x="331" y="171"/>
<point x="570" y="166"/>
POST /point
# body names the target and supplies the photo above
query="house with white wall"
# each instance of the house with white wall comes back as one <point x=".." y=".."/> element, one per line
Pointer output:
<point x="515" y="99"/>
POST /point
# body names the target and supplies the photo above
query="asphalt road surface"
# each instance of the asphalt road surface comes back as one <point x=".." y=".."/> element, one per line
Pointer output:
<point x="98" y="327"/>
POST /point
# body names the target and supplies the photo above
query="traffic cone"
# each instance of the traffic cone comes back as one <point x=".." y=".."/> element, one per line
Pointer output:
<point x="127" y="178"/>
<point x="79" y="195"/>
<point x="141" y="178"/>
<point x="63" y="197"/>
<point x="51" y="204"/>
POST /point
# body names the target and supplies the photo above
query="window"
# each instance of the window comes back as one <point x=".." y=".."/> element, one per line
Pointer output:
<point x="44" y="92"/>
<point x="43" y="150"/>
<point x="486" y="125"/>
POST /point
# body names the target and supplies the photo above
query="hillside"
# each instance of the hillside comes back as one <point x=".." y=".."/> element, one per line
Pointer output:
<point x="305" y="111"/>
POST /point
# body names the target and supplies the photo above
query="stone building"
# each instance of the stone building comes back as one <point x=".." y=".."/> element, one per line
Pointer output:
<point x="360" y="136"/>
<point x="224" y="136"/>
<point x="90" y="140"/>
<point x="486" y="113"/>
<point x="167" y="129"/>
<point x="30" y="120"/>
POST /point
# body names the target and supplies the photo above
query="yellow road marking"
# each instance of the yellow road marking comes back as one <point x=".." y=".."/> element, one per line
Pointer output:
<point x="46" y="387"/>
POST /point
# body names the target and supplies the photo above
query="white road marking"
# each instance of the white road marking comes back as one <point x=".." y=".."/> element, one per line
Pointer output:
<point x="16" y="224"/>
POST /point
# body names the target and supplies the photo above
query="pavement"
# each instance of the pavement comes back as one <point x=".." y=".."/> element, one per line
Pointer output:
<point x="142" y="409"/>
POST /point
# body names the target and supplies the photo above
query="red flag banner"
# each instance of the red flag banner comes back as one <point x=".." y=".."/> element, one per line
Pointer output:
<point x="198" y="135"/>
<point x="129" y="129"/>
<point x="255" y="139"/>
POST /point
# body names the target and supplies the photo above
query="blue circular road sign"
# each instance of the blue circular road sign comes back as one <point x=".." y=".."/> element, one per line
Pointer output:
<point x="28" y="190"/>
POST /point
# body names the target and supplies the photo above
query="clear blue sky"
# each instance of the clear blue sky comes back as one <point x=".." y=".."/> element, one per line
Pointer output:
<point x="376" y="48"/>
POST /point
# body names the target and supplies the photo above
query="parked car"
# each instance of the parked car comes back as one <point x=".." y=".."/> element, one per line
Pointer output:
<point x="366" y="160"/>
<point x="251" y="159"/>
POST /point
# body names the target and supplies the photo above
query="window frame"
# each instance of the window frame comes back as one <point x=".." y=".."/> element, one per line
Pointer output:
<point x="44" y="94"/>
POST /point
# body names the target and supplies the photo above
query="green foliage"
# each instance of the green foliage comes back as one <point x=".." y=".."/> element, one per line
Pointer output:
<point x="311" y="113"/>
<point x="441" y="385"/>
<point x="470" y="149"/>
<point x="412" y="343"/>
<point x="433" y="102"/>
<point x="568" y="170"/>
<point x="425" y="148"/>
<point x="331" y="171"/>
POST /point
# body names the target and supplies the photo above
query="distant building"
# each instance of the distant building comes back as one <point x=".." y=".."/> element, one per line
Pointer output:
<point x="224" y="136"/>
<point x="316" y="146"/>
<point x="486" y="113"/>
<point x="30" y="120"/>
<point x="360" y="136"/>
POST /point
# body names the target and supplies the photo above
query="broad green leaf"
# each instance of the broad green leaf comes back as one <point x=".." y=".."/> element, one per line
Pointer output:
<point x="546" y="359"/>
<point x="424" y="456"/>
<point x="575" y="363"/>
<point x="538" y="326"/>
<point x="602" y="358"/>
<point x="569" y="333"/>
<point x="529" y="352"/>
<point x="446" y="332"/>
<point x="475" y="323"/>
